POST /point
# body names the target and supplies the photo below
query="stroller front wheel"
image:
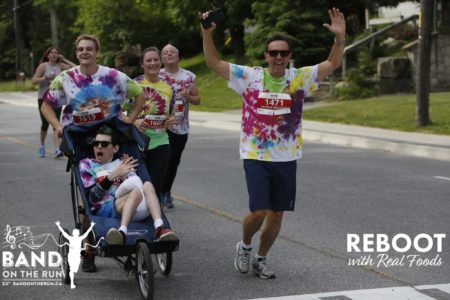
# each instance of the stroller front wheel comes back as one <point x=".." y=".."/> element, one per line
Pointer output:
<point x="164" y="261"/>
<point x="144" y="268"/>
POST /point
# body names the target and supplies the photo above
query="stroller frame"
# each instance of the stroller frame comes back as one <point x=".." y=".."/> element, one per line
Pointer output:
<point x="140" y="242"/>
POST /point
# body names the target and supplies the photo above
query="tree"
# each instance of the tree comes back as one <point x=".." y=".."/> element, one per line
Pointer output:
<point x="185" y="14"/>
<point x="300" y="20"/>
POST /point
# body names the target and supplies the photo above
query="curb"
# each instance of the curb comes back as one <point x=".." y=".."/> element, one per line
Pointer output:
<point x="348" y="140"/>
<point x="401" y="148"/>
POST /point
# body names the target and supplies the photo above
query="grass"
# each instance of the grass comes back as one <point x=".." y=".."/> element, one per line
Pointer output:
<point x="13" y="86"/>
<point x="215" y="95"/>
<point x="391" y="112"/>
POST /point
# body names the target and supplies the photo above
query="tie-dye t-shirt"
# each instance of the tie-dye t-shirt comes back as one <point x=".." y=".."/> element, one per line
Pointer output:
<point x="267" y="137"/>
<point x="107" y="89"/>
<point x="181" y="80"/>
<point x="159" y="102"/>
<point x="92" y="171"/>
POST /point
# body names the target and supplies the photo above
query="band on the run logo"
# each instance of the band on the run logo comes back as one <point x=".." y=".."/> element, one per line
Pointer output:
<point x="24" y="263"/>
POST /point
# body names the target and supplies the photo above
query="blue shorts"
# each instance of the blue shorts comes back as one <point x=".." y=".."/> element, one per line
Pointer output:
<point x="271" y="185"/>
<point x="107" y="210"/>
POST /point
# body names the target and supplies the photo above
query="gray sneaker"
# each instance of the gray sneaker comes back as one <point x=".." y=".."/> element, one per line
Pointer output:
<point x="261" y="269"/>
<point x="114" y="237"/>
<point x="167" y="200"/>
<point x="242" y="259"/>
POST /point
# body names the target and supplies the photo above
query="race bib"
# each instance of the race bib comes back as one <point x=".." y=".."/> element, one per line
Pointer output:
<point x="156" y="122"/>
<point x="87" y="116"/>
<point x="273" y="104"/>
<point x="179" y="108"/>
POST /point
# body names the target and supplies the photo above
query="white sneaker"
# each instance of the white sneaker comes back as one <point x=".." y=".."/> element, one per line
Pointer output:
<point x="261" y="269"/>
<point x="242" y="259"/>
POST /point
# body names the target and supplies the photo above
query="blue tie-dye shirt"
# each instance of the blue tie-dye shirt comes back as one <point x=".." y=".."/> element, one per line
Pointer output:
<point x="106" y="89"/>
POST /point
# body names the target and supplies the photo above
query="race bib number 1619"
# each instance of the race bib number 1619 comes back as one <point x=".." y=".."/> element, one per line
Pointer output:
<point x="273" y="104"/>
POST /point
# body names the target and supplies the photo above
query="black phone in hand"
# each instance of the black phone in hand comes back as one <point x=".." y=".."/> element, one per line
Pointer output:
<point x="215" y="16"/>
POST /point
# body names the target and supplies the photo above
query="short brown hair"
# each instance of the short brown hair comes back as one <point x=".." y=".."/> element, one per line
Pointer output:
<point x="89" y="37"/>
<point x="150" y="49"/>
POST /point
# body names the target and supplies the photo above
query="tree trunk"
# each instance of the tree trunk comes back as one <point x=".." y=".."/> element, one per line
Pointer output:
<point x="445" y="16"/>
<point x="19" y="37"/>
<point x="54" y="27"/>
<point x="423" y="64"/>
<point x="237" y="40"/>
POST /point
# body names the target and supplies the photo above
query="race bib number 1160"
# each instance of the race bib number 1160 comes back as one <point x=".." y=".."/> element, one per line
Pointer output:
<point x="273" y="104"/>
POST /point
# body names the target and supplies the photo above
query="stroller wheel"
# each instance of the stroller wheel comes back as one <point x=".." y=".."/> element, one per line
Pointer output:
<point x="164" y="261"/>
<point x="64" y="251"/>
<point x="144" y="268"/>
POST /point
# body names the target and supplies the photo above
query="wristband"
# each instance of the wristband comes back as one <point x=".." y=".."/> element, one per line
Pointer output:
<point x="106" y="183"/>
<point x="339" y="42"/>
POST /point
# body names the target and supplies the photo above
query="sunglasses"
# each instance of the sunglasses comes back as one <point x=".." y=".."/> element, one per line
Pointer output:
<point x="274" y="53"/>
<point x="103" y="143"/>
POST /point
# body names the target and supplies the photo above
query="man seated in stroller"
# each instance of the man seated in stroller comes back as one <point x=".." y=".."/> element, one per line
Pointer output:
<point x="117" y="192"/>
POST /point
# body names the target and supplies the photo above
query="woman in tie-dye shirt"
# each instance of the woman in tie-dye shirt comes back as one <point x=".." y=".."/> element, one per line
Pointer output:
<point x="156" y="115"/>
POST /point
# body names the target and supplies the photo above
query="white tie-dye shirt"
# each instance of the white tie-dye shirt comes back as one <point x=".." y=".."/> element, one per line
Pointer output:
<point x="266" y="137"/>
<point x="179" y="81"/>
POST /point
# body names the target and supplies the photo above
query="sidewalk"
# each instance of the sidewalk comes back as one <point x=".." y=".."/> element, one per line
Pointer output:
<point x="404" y="143"/>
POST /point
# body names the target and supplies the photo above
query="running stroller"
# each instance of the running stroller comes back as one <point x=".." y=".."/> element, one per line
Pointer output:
<point x="135" y="255"/>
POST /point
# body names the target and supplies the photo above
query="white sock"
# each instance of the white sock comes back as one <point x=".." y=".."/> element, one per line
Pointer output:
<point x="259" y="257"/>
<point x="124" y="229"/>
<point x="245" y="246"/>
<point x="158" y="223"/>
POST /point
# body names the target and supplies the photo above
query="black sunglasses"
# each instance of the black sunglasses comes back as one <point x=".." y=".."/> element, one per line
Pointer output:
<point x="103" y="143"/>
<point x="283" y="53"/>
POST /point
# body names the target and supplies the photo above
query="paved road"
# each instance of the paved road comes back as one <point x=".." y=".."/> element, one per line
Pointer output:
<point x="340" y="191"/>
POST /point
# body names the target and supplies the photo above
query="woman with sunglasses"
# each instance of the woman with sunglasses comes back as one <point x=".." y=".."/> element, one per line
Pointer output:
<point x="271" y="140"/>
<point x="50" y="65"/>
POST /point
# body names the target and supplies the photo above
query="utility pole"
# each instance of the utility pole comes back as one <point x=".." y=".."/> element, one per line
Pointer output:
<point x="423" y="63"/>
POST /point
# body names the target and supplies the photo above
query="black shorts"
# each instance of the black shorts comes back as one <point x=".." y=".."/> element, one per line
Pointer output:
<point x="44" y="122"/>
<point x="271" y="185"/>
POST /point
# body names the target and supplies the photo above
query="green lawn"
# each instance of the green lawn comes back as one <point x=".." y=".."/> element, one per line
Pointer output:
<point x="215" y="95"/>
<point x="13" y="86"/>
<point x="393" y="112"/>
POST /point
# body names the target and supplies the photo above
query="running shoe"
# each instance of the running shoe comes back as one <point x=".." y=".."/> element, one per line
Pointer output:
<point x="114" y="237"/>
<point x="242" y="259"/>
<point x="164" y="234"/>
<point x="167" y="200"/>
<point x="58" y="154"/>
<point x="41" y="151"/>
<point x="261" y="269"/>
<point x="88" y="262"/>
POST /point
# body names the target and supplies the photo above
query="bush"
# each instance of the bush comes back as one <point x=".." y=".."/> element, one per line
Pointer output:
<point x="358" y="86"/>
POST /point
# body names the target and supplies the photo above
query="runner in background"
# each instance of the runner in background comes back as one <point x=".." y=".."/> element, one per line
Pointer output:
<point x="50" y="65"/>
<point x="186" y="92"/>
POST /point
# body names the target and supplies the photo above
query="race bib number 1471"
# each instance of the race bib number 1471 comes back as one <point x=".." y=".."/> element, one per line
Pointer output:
<point x="273" y="104"/>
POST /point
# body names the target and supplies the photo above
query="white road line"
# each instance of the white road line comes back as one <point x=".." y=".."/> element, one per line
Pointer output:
<point x="392" y="293"/>
<point x="442" y="177"/>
